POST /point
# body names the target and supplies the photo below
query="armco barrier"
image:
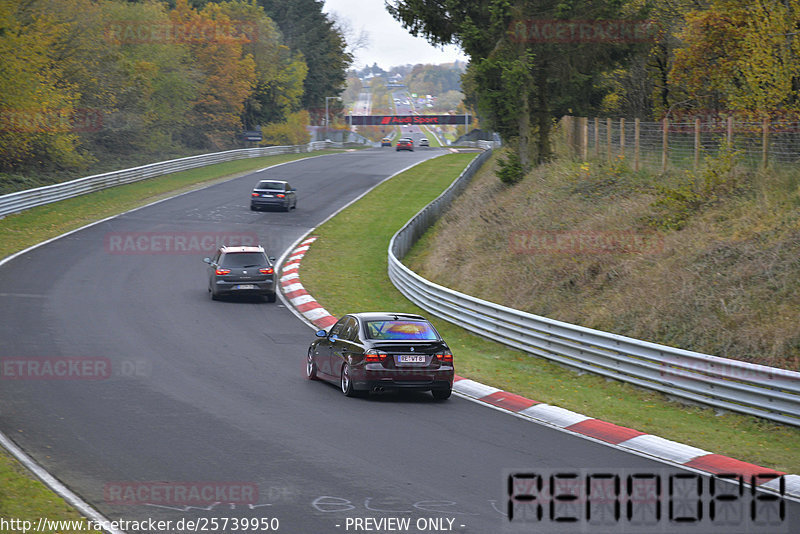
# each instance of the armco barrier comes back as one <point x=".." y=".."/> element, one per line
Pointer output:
<point x="733" y="385"/>
<point x="22" y="200"/>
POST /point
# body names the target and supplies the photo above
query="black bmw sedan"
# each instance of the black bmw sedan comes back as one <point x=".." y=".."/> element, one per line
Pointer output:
<point x="379" y="351"/>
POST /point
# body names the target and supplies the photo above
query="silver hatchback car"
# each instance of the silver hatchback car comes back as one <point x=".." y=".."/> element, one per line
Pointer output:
<point x="241" y="270"/>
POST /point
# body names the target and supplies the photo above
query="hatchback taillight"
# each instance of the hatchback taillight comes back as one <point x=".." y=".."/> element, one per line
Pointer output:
<point x="220" y="272"/>
<point x="445" y="358"/>
<point x="280" y="195"/>
<point x="253" y="194"/>
<point x="374" y="356"/>
<point x="268" y="270"/>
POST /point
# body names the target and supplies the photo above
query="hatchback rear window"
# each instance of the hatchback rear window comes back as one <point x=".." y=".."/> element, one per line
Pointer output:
<point x="243" y="259"/>
<point x="271" y="185"/>
<point x="419" y="330"/>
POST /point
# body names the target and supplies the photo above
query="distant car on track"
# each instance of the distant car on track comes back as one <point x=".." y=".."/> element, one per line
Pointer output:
<point x="424" y="142"/>
<point x="386" y="141"/>
<point x="241" y="270"/>
<point x="273" y="194"/>
<point x="404" y="143"/>
<point x="373" y="352"/>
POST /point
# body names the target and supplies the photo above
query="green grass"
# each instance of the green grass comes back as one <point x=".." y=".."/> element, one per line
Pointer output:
<point x="21" y="495"/>
<point x="348" y="275"/>
<point x="27" y="499"/>
<point x="21" y="230"/>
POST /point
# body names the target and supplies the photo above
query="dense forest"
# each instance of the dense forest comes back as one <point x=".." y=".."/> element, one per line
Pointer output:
<point x="82" y="80"/>
<point x="533" y="61"/>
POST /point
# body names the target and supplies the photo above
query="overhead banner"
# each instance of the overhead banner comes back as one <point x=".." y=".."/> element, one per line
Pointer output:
<point x="402" y="120"/>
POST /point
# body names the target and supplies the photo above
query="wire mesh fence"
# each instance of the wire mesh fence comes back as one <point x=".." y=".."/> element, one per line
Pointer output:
<point x="681" y="144"/>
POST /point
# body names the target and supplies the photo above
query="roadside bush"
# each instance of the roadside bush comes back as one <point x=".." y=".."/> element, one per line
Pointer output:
<point x="510" y="171"/>
<point x="719" y="178"/>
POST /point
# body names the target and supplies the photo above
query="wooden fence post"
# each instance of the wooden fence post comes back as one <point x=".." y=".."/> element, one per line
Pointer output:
<point x="730" y="131"/>
<point x="608" y="144"/>
<point x="696" y="143"/>
<point x="664" y="143"/>
<point x="566" y="123"/>
<point x="584" y="121"/>
<point x="636" y="145"/>
<point x="622" y="137"/>
<point x="597" y="137"/>
<point x="764" y="142"/>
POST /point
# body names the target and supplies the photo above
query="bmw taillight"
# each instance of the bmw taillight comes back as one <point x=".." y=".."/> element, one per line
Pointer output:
<point x="445" y="357"/>
<point x="220" y="272"/>
<point x="268" y="270"/>
<point x="374" y="356"/>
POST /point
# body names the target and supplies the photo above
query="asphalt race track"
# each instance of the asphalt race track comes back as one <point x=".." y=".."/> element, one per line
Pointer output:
<point x="203" y="392"/>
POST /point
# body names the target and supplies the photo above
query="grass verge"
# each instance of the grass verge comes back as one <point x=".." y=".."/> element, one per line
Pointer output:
<point x="22" y="496"/>
<point x="21" y="230"/>
<point x="348" y="275"/>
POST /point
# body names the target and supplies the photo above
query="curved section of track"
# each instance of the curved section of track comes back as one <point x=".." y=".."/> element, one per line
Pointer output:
<point x="204" y="391"/>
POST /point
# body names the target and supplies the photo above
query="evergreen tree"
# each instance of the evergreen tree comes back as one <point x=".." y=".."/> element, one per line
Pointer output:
<point x="306" y="29"/>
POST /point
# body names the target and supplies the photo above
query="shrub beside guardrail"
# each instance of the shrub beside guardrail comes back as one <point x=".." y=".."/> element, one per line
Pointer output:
<point x="30" y="198"/>
<point x="733" y="385"/>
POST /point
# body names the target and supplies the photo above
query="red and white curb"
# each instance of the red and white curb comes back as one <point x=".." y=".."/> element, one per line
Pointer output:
<point x="624" y="438"/>
<point x="297" y="295"/>
<point x="566" y="420"/>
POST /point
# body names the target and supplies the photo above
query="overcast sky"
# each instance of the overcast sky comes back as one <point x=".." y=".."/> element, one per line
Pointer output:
<point x="388" y="43"/>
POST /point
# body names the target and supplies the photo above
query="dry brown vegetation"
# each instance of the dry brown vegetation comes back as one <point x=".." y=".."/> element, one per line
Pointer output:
<point x="727" y="282"/>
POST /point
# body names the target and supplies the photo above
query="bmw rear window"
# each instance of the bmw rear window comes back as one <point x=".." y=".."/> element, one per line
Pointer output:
<point x="411" y="330"/>
<point x="271" y="185"/>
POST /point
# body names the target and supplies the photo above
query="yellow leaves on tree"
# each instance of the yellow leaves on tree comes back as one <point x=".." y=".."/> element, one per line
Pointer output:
<point x="36" y="109"/>
<point x="741" y="55"/>
<point x="228" y="74"/>
<point x="292" y="132"/>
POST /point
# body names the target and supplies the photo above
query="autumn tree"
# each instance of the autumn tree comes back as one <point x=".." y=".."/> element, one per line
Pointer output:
<point x="741" y="55"/>
<point x="37" y="107"/>
<point x="150" y="73"/>
<point x="279" y="71"/>
<point x="228" y="75"/>
<point x="292" y="131"/>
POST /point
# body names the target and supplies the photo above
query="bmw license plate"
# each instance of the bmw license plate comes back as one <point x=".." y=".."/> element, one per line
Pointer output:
<point x="412" y="358"/>
<point x="244" y="286"/>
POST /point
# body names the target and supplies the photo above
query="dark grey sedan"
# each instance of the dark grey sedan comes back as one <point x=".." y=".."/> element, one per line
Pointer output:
<point x="241" y="270"/>
<point x="273" y="194"/>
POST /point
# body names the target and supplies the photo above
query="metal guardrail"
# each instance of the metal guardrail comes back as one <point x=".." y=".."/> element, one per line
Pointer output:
<point x="733" y="385"/>
<point x="23" y="200"/>
<point x="483" y="145"/>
